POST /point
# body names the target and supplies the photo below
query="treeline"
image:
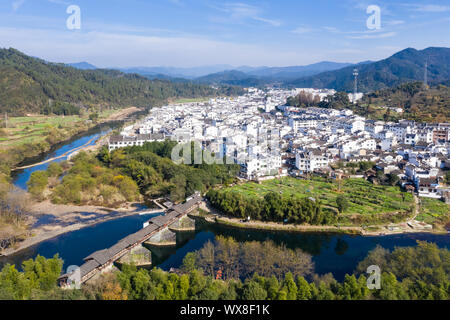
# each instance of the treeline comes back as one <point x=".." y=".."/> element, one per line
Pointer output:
<point x="14" y="205"/>
<point x="126" y="175"/>
<point x="273" y="207"/>
<point x="157" y="175"/>
<point x="419" y="103"/>
<point x="61" y="109"/>
<point x="412" y="273"/>
<point x="86" y="182"/>
<point x="339" y="100"/>
<point x="304" y="100"/>
<point x="27" y="84"/>
<point x="227" y="259"/>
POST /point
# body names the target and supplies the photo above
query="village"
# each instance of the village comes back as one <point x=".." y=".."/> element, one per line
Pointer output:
<point x="270" y="139"/>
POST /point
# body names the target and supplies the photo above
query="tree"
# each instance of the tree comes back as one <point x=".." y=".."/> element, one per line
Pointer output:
<point x="303" y="289"/>
<point x="252" y="290"/>
<point x="37" y="184"/>
<point x="189" y="262"/>
<point x="342" y="204"/>
<point x="393" y="179"/>
<point x="54" y="169"/>
<point x="290" y="287"/>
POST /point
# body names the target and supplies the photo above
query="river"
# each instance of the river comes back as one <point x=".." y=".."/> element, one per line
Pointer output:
<point x="21" y="177"/>
<point x="338" y="254"/>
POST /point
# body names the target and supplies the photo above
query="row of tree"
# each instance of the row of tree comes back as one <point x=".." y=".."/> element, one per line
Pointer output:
<point x="231" y="259"/>
<point x="416" y="273"/>
<point x="157" y="175"/>
<point x="272" y="207"/>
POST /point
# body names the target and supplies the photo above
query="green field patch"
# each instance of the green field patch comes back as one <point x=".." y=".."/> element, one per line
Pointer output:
<point x="364" y="198"/>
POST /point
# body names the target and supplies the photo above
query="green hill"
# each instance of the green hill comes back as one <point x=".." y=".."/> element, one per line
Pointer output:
<point x="28" y="84"/>
<point x="404" y="66"/>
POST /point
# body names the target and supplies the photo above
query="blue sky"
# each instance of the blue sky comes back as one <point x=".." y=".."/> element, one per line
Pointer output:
<point x="186" y="33"/>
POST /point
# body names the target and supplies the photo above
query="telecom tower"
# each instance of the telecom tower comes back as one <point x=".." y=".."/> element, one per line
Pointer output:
<point x="355" y="85"/>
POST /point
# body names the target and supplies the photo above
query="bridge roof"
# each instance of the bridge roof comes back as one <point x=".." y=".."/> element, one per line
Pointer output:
<point x="87" y="267"/>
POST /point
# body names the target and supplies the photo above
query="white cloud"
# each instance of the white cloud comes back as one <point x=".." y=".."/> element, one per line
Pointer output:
<point x="241" y="12"/>
<point x="374" y="35"/>
<point x="16" y="4"/>
<point x="302" y="30"/>
<point x="113" y="49"/>
<point x="431" y="8"/>
<point x="394" y="22"/>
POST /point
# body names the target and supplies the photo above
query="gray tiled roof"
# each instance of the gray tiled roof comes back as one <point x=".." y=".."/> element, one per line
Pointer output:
<point x="101" y="257"/>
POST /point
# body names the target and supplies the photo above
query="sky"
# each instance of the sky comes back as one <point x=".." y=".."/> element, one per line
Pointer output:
<point x="188" y="33"/>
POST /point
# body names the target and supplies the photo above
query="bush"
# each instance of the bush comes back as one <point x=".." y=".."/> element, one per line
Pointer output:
<point x="37" y="184"/>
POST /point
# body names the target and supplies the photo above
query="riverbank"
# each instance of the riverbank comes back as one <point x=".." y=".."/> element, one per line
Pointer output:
<point x="64" y="219"/>
<point x="213" y="216"/>
<point x="31" y="144"/>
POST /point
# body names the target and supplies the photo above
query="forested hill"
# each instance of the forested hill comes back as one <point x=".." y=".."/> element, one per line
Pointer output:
<point x="404" y="66"/>
<point x="28" y="85"/>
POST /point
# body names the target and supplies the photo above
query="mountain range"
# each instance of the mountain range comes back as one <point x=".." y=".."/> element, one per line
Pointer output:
<point x="404" y="66"/>
<point x="29" y="85"/>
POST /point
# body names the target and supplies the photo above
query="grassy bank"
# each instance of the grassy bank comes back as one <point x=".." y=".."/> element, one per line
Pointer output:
<point x="434" y="212"/>
<point x="27" y="137"/>
<point x="273" y="226"/>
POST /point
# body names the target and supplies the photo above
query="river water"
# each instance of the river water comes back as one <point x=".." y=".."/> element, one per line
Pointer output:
<point x="338" y="254"/>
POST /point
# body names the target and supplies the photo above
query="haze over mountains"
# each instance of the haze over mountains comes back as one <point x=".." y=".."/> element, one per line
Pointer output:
<point x="29" y="85"/>
<point x="406" y="65"/>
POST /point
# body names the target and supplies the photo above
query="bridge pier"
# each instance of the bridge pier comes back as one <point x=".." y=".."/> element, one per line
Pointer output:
<point x="139" y="256"/>
<point x="164" y="238"/>
<point x="185" y="224"/>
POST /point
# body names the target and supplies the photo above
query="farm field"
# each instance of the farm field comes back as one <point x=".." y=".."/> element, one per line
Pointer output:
<point x="434" y="211"/>
<point x="35" y="129"/>
<point x="364" y="198"/>
<point x="191" y="100"/>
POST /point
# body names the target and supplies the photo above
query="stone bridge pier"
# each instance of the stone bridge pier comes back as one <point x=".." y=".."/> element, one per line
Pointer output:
<point x="164" y="238"/>
<point x="139" y="256"/>
<point x="185" y="224"/>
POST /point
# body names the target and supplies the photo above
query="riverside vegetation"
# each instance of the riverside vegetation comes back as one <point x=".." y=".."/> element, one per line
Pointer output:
<point x="411" y="273"/>
<point x="126" y="175"/>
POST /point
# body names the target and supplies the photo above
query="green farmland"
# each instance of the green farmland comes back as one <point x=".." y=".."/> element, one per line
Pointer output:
<point x="363" y="197"/>
<point x="434" y="211"/>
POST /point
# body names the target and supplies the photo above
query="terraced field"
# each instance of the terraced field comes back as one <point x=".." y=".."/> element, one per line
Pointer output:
<point x="434" y="211"/>
<point x="364" y="198"/>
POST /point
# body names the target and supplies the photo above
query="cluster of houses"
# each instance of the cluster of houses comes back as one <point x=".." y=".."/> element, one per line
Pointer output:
<point x="268" y="138"/>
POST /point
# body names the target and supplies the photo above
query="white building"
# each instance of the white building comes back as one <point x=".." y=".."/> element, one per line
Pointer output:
<point x="310" y="161"/>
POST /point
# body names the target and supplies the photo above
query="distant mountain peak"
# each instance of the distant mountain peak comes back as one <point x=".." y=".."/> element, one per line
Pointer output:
<point x="82" y="65"/>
